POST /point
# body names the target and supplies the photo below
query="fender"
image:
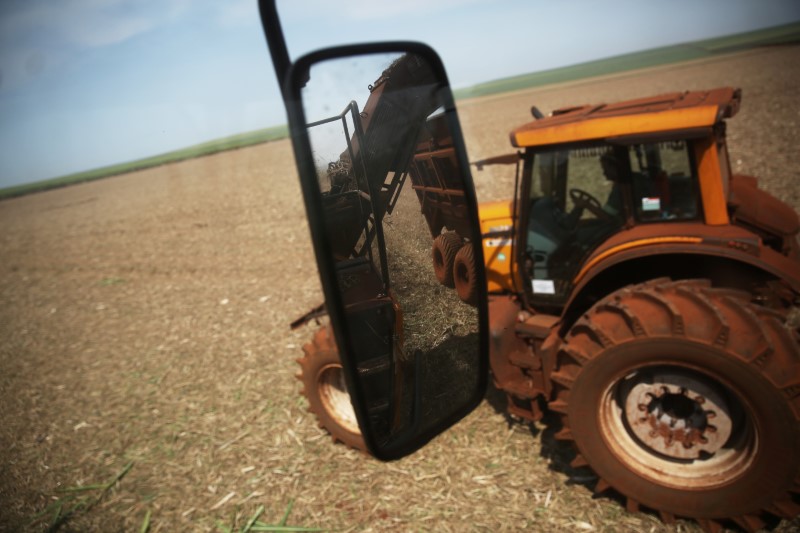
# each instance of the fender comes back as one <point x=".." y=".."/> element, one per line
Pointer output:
<point x="740" y="254"/>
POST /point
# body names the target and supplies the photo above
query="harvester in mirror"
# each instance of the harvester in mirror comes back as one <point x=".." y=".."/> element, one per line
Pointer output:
<point x="383" y="154"/>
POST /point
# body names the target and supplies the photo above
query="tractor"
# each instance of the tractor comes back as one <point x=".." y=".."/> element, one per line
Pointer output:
<point x="638" y="289"/>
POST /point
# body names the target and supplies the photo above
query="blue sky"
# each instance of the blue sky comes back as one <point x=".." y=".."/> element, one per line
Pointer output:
<point x="88" y="83"/>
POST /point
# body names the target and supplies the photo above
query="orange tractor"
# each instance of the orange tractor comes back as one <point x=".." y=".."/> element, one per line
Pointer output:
<point x="642" y="291"/>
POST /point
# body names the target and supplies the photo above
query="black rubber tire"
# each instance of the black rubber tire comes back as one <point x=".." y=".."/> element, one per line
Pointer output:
<point x="445" y="248"/>
<point x="465" y="275"/>
<point x="325" y="390"/>
<point x="706" y="336"/>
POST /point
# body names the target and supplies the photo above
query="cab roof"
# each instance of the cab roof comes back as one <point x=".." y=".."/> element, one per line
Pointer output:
<point x="667" y="112"/>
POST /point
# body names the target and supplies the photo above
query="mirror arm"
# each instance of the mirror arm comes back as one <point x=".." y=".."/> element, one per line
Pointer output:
<point x="276" y="43"/>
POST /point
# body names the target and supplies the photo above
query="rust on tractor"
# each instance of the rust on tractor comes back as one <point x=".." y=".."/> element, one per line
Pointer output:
<point x="640" y="290"/>
<point x="678" y="416"/>
<point x="620" y="210"/>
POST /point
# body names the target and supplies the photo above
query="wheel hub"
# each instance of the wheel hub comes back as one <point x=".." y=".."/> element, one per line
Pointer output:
<point x="680" y="416"/>
<point x="335" y="398"/>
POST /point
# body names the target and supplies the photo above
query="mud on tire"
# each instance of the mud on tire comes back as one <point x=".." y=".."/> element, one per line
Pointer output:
<point x="445" y="248"/>
<point x="686" y="400"/>
<point x="465" y="275"/>
<point x="324" y="388"/>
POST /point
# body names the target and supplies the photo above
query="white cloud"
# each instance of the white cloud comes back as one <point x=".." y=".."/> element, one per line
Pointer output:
<point x="350" y="10"/>
<point x="42" y="33"/>
<point x="238" y="13"/>
<point x="86" y="23"/>
<point x="100" y="29"/>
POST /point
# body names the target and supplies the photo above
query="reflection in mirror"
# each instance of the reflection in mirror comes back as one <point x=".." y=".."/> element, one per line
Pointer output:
<point x="392" y="190"/>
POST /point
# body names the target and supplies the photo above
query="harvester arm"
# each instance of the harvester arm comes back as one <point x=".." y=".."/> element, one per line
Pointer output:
<point x="400" y="101"/>
<point x="507" y="159"/>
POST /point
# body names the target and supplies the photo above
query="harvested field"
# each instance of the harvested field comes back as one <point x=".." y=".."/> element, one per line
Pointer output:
<point x="145" y="321"/>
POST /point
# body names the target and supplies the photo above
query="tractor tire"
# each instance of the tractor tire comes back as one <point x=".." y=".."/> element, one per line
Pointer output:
<point x="324" y="388"/>
<point x="445" y="248"/>
<point x="686" y="400"/>
<point x="465" y="275"/>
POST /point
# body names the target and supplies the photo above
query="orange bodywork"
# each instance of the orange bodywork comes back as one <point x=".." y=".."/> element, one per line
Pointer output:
<point x="498" y="239"/>
<point x="712" y="190"/>
<point x="536" y="134"/>
<point x="699" y="110"/>
<point x="599" y="257"/>
<point x="695" y="112"/>
<point x="667" y="112"/>
<point x="599" y="296"/>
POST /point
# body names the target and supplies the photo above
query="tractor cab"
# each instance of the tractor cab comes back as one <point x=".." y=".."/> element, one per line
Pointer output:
<point x="580" y="196"/>
<point x="596" y="172"/>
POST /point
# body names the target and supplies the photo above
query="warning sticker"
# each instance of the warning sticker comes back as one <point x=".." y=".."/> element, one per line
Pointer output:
<point x="498" y="229"/>
<point x="651" y="204"/>
<point x="494" y="243"/>
<point x="544" y="286"/>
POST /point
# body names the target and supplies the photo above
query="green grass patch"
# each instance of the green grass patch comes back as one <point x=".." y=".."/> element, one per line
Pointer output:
<point x="76" y="500"/>
<point x="240" y="140"/>
<point x="789" y="33"/>
<point x="253" y="524"/>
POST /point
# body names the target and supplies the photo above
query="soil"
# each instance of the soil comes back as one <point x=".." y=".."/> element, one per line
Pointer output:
<point x="145" y="319"/>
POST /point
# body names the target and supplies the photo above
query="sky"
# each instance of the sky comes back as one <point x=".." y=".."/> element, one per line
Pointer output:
<point x="89" y="83"/>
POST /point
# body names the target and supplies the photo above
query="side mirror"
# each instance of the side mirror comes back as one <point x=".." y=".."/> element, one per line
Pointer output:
<point x="385" y="178"/>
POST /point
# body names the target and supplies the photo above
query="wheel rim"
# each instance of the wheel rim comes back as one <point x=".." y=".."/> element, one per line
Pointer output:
<point x="678" y="427"/>
<point x="335" y="398"/>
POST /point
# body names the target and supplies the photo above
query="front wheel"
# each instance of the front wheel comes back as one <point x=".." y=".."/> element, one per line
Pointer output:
<point x="325" y="389"/>
<point x="686" y="400"/>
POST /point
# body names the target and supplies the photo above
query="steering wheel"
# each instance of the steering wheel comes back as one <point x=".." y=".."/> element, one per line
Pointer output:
<point x="584" y="200"/>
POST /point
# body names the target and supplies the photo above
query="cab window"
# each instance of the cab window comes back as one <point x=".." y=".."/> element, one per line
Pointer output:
<point x="663" y="182"/>
<point x="576" y="201"/>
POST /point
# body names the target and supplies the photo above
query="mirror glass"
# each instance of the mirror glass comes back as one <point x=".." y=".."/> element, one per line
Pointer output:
<point x="396" y="216"/>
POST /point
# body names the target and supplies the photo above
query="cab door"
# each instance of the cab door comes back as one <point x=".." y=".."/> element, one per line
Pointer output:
<point x="574" y="199"/>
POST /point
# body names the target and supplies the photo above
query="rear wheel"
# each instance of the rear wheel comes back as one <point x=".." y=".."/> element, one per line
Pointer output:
<point x="465" y="275"/>
<point x="686" y="400"/>
<point x="445" y="248"/>
<point x="325" y="389"/>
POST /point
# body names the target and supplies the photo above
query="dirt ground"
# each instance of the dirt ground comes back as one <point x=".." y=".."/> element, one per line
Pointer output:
<point x="145" y="319"/>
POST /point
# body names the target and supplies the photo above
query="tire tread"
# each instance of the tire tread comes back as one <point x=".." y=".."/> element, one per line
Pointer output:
<point x="716" y="317"/>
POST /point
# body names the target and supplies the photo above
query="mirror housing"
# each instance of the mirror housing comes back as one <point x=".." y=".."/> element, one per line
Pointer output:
<point x="409" y="376"/>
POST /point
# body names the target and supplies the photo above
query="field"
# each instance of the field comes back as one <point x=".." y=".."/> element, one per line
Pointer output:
<point x="696" y="50"/>
<point x="240" y="140"/>
<point x="145" y="326"/>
